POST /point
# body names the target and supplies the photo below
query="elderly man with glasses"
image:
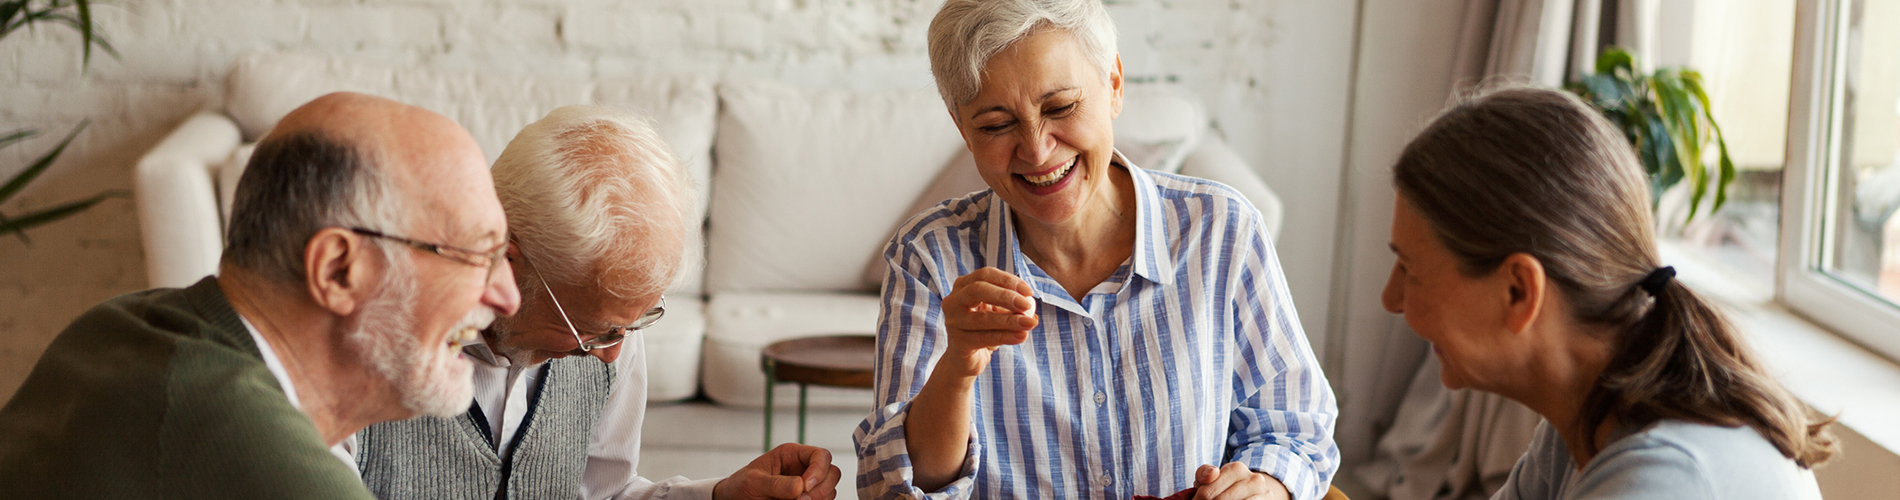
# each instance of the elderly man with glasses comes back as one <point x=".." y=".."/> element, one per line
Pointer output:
<point x="598" y="207"/>
<point x="322" y="321"/>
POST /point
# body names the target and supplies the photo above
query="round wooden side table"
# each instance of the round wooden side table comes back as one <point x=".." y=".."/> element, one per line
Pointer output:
<point x="833" y="361"/>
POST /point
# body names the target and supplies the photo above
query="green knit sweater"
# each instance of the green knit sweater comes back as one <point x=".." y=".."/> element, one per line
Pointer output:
<point x="162" y="394"/>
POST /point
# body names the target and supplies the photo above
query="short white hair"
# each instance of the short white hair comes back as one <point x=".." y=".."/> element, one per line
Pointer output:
<point x="966" y="33"/>
<point x="585" y="189"/>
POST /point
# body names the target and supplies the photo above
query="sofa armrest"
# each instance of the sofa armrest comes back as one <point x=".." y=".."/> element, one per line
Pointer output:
<point x="1214" y="160"/>
<point x="178" y="200"/>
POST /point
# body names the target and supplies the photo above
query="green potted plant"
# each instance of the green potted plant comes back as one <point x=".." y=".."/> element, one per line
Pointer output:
<point x="1666" y="117"/>
<point x="16" y="15"/>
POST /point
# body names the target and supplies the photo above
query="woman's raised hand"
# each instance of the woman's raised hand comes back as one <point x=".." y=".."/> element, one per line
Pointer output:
<point x="986" y="309"/>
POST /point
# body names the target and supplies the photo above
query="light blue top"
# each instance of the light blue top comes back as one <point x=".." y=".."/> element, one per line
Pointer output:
<point x="1189" y="354"/>
<point x="1671" y="459"/>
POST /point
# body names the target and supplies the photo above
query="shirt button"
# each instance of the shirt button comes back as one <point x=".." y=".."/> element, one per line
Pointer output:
<point x="1101" y="398"/>
<point x="1103" y="480"/>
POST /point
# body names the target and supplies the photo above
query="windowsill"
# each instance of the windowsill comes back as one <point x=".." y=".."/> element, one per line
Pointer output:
<point x="1821" y="368"/>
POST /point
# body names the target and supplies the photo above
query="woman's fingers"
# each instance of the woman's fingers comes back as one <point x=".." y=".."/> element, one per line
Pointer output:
<point x="979" y="302"/>
<point x="991" y="286"/>
<point x="1234" y="481"/>
<point x="989" y="308"/>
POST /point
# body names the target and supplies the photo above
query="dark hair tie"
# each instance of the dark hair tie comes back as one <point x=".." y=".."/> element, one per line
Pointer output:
<point x="1657" y="279"/>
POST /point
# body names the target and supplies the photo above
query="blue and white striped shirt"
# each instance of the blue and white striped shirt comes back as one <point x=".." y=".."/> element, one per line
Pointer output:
<point x="1189" y="354"/>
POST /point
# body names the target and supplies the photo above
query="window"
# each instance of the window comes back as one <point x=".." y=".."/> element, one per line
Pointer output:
<point x="1840" y="254"/>
<point x="1744" y="49"/>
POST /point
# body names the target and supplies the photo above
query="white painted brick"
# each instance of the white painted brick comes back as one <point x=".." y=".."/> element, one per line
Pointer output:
<point x="641" y="31"/>
<point x="47" y="107"/>
<point x="160" y="106"/>
<point x="241" y="24"/>
<point x="47" y="61"/>
<point x="133" y="21"/>
<point x="802" y="30"/>
<point x="514" y="61"/>
<point x="743" y="31"/>
<point x="360" y="27"/>
<point x="516" y="28"/>
<point x="673" y="63"/>
<point x="702" y="28"/>
<point x="163" y="61"/>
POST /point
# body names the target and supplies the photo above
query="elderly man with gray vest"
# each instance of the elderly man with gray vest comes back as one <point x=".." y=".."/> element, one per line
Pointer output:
<point x="597" y="206"/>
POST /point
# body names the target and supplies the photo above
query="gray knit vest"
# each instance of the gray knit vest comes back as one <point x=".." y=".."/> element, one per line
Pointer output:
<point x="451" y="458"/>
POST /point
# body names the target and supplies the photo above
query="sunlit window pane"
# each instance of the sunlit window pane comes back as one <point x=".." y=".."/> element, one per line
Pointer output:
<point x="1865" y="246"/>
<point x="1744" y="50"/>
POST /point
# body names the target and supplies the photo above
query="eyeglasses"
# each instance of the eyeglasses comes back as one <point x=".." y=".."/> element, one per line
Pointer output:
<point x="490" y="260"/>
<point x="615" y="334"/>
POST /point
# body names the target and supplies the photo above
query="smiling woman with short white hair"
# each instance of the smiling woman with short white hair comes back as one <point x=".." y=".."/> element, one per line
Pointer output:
<point x="1084" y="328"/>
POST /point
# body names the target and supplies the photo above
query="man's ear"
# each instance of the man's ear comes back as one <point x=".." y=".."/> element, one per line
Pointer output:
<point x="1115" y="89"/>
<point x="1528" y="288"/>
<point x="338" y="271"/>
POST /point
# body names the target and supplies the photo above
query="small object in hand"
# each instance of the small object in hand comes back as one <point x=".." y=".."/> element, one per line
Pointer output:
<point x="1179" y="495"/>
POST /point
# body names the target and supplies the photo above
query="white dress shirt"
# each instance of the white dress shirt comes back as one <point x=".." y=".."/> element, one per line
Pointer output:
<point x="613" y="453"/>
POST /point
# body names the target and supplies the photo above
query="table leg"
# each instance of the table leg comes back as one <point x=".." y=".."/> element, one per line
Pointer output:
<point x="801" y="413"/>
<point x="771" y="381"/>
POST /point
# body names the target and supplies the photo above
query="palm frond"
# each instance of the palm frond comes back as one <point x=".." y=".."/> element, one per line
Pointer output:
<point x="19" y="225"/>
<point x="19" y="181"/>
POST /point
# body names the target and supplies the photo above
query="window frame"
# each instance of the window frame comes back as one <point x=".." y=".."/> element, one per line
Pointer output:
<point x="1808" y="188"/>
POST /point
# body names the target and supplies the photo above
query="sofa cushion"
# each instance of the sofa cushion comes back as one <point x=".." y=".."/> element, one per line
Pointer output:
<point x="810" y="182"/>
<point x="673" y="351"/>
<point x="739" y="325"/>
<point x="263" y="87"/>
<point x="1159" y="125"/>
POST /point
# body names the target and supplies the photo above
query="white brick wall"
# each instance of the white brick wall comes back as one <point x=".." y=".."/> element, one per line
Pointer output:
<point x="1273" y="73"/>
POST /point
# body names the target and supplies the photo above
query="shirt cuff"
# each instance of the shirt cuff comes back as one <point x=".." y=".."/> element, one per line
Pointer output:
<point x="701" y="489"/>
<point x="884" y="466"/>
<point x="1300" y="476"/>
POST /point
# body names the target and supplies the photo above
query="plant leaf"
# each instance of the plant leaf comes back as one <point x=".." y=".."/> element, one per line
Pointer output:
<point x="39" y="166"/>
<point x="19" y="225"/>
<point x="1692" y="81"/>
<point x="1604" y="91"/>
<point x="1726" y="176"/>
<point x="1667" y="168"/>
<point x="9" y="10"/>
<point x="1614" y="58"/>
<point x="85" y="32"/>
<point x="1683" y="121"/>
<point x="4" y="221"/>
<point x="17" y="136"/>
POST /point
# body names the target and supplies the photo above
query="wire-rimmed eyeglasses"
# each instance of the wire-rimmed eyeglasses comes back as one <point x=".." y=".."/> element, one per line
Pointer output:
<point x="490" y="260"/>
<point x="614" y="334"/>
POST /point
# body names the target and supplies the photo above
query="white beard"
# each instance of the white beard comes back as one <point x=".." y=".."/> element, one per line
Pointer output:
<point x="430" y="380"/>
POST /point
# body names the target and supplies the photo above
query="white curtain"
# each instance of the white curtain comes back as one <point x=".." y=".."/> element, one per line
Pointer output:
<point x="1517" y="40"/>
<point x="1450" y="445"/>
<point x="1447" y="444"/>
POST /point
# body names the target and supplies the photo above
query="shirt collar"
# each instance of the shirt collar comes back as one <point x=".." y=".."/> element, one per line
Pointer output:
<point x="1150" y="260"/>
<point x="273" y="363"/>
<point x="479" y="351"/>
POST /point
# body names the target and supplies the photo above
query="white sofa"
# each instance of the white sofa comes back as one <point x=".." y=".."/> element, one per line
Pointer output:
<point x="801" y="189"/>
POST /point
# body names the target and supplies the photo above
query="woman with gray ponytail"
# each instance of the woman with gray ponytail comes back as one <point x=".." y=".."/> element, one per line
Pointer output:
<point x="1527" y="256"/>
